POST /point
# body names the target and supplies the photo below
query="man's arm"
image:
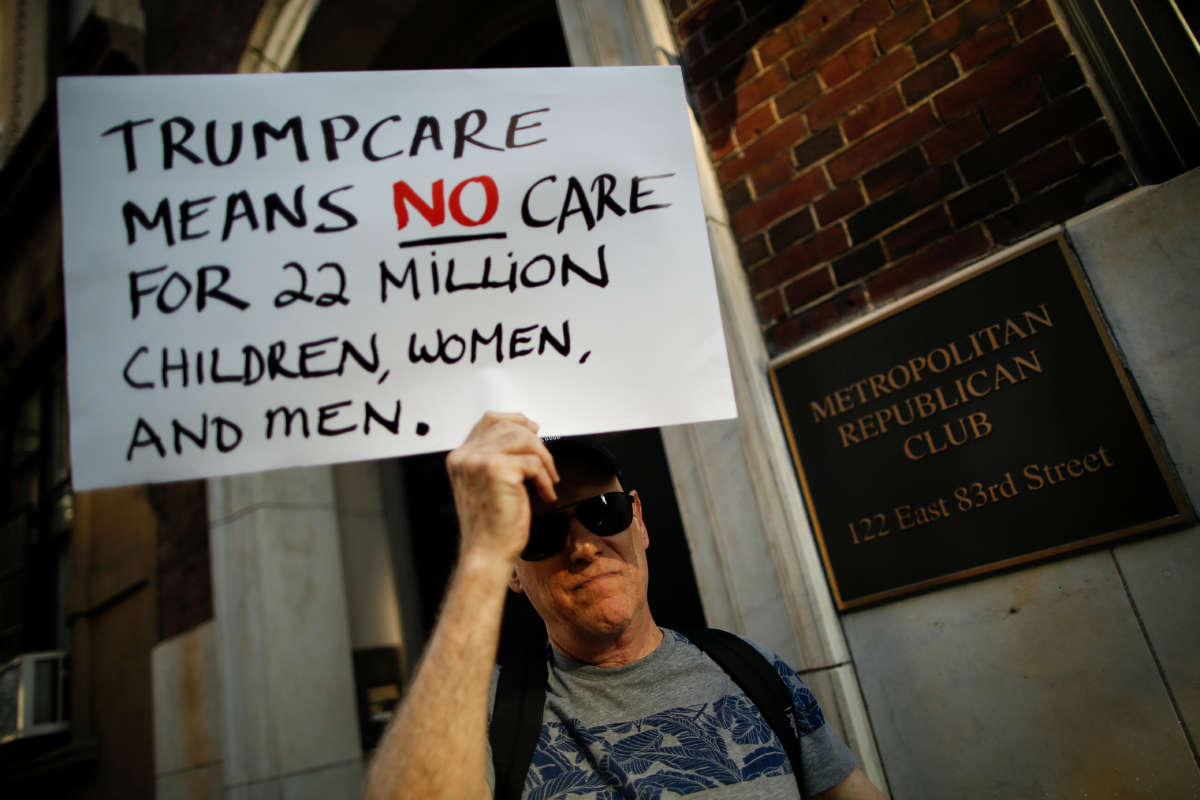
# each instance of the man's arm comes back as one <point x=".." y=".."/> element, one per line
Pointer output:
<point x="436" y="747"/>
<point x="857" y="786"/>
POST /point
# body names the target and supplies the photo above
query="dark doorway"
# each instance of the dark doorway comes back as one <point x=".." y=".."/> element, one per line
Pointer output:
<point x="416" y="34"/>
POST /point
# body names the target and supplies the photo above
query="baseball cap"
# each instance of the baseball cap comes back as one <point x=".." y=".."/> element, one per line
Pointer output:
<point x="585" y="450"/>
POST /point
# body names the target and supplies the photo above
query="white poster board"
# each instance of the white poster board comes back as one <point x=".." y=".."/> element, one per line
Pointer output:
<point x="279" y="270"/>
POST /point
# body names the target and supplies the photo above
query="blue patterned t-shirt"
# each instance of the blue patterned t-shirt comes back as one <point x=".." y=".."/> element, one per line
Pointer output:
<point x="673" y="724"/>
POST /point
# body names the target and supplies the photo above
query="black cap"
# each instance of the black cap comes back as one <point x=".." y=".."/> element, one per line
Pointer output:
<point x="584" y="450"/>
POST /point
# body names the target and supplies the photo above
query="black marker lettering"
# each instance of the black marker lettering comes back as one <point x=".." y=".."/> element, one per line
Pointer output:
<point x="462" y="135"/>
<point x="443" y="345"/>
<point x="274" y="356"/>
<point x="510" y="139"/>
<point x="392" y="424"/>
<point x="130" y="381"/>
<point x="164" y="304"/>
<point x="369" y="149"/>
<point x="295" y="216"/>
<point x="168" y="367"/>
<point x="290" y="128"/>
<point x="333" y="208"/>
<point x="314" y="350"/>
<point x="328" y="412"/>
<point x="331" y="137"/>
<point x="232" y="203"/>
<point x="214" y="367"/>
<point x="563" y="346"/>
<point x="497" y="335"/>
<point x="222" y="425"/>
<point x="387" y="277"/>
<point x="451" y="286"/>
<point x="575" y="190"/>
<point x="171" y="145"/>
<point x="203" y="292"/>
<point x="288" y="415"/>
<point x="526" y="216"/>
<point x="349" y="350"/>
<point x="210" y="143"/>
<point x="569" y="266"/>
<point x="603" y="185"/>
<point x="487" y="281"/>
<point x="517" y="341"/>
<point x="144" y="435"/>
<point x="136" y="293"/>
<point x="251" y="359"/>
<point x="187" y="214"/>
<point x="178" y="431"/>
<point x="635" y="193"/>
<point x="162" y="214"/>
<point x="530" y="282"/>
<point x="427" y="128"/>
<point x="126" y="129"/>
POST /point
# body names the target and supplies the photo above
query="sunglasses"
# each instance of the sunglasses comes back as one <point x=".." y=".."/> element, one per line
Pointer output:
<point x="604" y="515"/>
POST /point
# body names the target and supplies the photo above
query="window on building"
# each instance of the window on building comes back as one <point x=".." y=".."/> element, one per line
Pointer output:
<point x="1145" y="57"/>
<point x="37" y="514"/>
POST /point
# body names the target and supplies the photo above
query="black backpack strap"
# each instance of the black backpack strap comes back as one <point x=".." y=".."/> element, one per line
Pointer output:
<point x="755" y="675"/>
<point x="517" y="719"/>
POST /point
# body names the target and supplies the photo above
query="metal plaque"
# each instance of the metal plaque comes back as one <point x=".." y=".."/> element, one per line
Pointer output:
<point x="984" y="423"/>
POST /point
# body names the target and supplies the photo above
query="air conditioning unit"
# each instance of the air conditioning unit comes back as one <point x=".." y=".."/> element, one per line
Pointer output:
<point x="32" y="695"/>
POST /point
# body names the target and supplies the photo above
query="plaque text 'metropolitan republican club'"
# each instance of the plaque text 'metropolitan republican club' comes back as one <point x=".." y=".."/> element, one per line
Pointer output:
<point x="981" y="425"/>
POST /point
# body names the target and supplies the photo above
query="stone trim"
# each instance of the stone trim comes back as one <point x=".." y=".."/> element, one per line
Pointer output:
<point x="276" y="35"/>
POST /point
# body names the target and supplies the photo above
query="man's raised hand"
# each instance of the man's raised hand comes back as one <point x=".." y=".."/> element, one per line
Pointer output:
<point x="488" y="474"/>
<point x="428" y="752"/>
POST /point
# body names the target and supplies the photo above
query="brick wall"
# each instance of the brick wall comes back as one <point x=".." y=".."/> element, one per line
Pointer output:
<point x="868" y="147"/>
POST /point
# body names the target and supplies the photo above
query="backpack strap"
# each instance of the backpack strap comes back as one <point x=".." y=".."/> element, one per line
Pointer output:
<point x="755" y="675"/>
<point x="517" y="719"/>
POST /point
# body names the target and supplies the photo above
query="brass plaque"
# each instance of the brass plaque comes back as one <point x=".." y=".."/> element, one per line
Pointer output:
<point x="983" y="425"/>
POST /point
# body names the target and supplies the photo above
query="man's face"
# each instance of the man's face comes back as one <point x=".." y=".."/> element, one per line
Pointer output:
<point x="595" y="587"/>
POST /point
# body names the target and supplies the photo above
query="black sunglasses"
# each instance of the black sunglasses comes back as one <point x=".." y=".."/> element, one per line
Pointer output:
<point x="604" y="515"/>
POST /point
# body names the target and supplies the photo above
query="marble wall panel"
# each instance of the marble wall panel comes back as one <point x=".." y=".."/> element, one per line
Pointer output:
<point x="1037" y="683"/>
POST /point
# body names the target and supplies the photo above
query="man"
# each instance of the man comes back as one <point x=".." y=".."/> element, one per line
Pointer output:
<point x="619" y="685"/>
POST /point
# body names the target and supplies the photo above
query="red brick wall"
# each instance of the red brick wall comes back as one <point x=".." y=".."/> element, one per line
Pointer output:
<point x="868" y="147"/>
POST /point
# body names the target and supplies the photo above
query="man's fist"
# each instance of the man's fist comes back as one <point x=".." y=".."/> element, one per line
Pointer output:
<point x="488" y="474"/>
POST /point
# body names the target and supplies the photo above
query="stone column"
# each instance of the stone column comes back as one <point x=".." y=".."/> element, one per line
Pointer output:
<point x="289" y="726"/>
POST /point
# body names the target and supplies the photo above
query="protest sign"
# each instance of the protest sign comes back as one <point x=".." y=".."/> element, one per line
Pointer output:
<point x="279" y="270"/>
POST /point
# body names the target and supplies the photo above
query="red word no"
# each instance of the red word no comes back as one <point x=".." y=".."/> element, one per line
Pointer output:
<point x="434" y="211"/>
